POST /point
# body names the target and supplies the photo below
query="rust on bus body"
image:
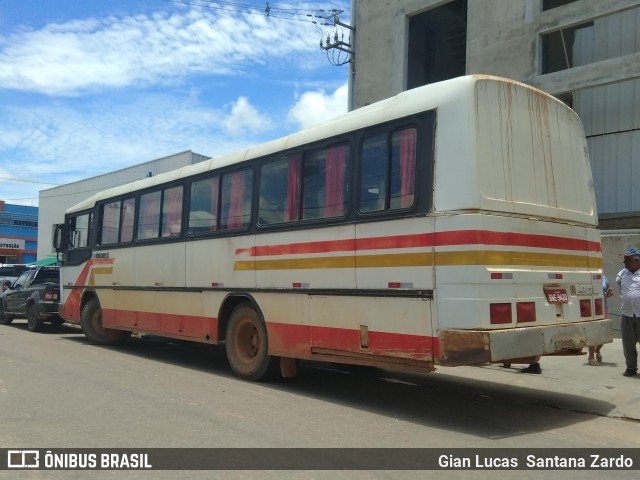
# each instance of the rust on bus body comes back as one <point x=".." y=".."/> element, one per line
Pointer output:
<point x="463" y="348"/>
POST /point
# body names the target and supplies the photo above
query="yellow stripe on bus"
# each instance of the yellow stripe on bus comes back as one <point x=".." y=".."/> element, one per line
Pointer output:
<point x="424" y="259"/>
<point x="99" y="271"/>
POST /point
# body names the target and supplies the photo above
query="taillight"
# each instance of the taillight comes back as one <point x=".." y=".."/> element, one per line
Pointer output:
<point x="51" y="296"/>
<point x="500" y="313"/>
<point x="599" y="306"/>
<point x="526" y="312"/>
<point x="585" y="308"/>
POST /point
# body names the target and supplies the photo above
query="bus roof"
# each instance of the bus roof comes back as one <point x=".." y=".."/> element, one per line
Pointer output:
<point x="450" y="95"/>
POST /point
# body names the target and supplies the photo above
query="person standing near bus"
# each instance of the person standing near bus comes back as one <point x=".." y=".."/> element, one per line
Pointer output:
<point x="595" y="358"/>
<point x="628" y="280"/>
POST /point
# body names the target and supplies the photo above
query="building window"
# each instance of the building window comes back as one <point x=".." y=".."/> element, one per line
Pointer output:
<point x="604" y="38"/>
<point x="549" y="4"/>
<point x="437" y="44"/>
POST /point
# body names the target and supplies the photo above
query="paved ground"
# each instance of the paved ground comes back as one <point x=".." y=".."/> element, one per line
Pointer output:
<point x="566" y="382"/>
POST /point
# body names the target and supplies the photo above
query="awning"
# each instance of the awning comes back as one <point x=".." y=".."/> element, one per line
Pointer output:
<point x="48" y="260"/>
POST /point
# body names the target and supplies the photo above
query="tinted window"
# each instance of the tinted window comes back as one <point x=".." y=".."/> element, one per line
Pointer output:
<point x="236" y="200"/>
<point x="160" y="213"/>
<point x="79" y="231"/>
<point x="203" y="207"/>
<point x="388" y="171"/>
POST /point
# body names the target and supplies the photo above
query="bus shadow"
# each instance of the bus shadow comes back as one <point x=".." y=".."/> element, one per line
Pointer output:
<point x="471" y="406"/>
<point x="476" y="407"/>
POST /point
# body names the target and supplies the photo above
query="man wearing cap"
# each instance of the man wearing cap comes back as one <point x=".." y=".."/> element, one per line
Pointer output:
<point x="629" y="282"/>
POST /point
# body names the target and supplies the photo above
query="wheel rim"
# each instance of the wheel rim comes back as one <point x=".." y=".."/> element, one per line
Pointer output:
<point x="247" y="341"/>
<point x="96" y="321"/>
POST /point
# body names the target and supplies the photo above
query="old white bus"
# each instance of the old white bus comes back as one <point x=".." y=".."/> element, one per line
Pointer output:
<point x="453" y="224"/>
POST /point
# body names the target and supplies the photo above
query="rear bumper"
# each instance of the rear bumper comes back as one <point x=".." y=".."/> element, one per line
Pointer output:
<point x="47" y="310"/>
<point x="468" y="347"/>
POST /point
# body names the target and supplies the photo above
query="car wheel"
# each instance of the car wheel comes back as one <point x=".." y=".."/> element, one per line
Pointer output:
<point x="5" y="319"/>
<point x="33" y="322"/>
<point x="91" y="323"/>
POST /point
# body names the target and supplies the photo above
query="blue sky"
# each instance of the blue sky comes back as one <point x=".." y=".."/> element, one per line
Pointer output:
<point x="92" y="86"/>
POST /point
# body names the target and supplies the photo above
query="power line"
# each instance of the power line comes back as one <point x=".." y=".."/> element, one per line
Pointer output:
<point x="267" y="11"/>
<point x="13" y="179"/>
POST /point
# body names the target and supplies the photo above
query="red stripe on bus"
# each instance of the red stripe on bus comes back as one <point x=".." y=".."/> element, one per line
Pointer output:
<point x="284" y="339"/>
<point x="297" y="340"/>
<point x="72" y="304"/>
<point x="437" y="239"/>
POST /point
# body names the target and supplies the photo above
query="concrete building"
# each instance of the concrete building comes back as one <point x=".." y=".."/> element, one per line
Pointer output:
<point x="18" y="233"/>
<point x="586" y="52"/>
<point x="55" y="201"/>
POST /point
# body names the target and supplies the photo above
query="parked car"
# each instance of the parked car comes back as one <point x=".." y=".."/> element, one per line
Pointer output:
<point x="35" y="295"/>
<point x="9" y="272"/>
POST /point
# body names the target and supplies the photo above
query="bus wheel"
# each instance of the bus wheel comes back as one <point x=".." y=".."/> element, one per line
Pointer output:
<point x="91" y="323"/>
<point x="33" y="322"/>
<point x="247" y="346"/>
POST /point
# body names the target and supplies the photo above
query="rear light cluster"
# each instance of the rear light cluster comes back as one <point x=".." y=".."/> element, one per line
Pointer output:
<point x="586" y="310"/>
<point x="51" y="296"/>
<point x="501" y="313"/>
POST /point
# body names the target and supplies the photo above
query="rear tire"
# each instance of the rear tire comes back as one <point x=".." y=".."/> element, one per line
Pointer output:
<point x="34" y="323"/>
<point x="91" y="323"/>
<point x="247" y="345"/>
<point x="4" y="318"/>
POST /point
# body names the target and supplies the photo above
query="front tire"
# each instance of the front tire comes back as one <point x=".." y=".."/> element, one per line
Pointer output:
<point x="34" y="322"/>
<point x="91" y="323"/>
<point x="247" y="345"/>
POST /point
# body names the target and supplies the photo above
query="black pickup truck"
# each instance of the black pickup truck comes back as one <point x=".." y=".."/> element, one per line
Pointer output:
<point x="35" y="295"/>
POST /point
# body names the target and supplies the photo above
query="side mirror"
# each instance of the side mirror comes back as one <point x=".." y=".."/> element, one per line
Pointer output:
<point x="58" y="236"/>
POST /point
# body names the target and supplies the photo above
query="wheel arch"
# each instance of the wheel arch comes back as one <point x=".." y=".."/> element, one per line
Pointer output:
<point x="230" y="302"/>
<point x="88" y="295"/>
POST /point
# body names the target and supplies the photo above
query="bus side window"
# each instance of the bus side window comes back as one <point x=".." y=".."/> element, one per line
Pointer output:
<point x="110" y="223"/>
<point x="388" y="171"/>
<point x="172" y="212"/>
<point x="79" y="229"/>
<point x="126" y="219"/>
<point x="203" y="207"/>
<point x="403" y="168"/>
<point x="374" y="174"/>
<point x="280" y="191"/>
<point x="325" y="185"/>
<point x="236" y="200"/>
<point x="149" y="219"/>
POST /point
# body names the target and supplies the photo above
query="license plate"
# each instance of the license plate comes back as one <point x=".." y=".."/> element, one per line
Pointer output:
<point x="556" y="295"/>
<point x="583" y="289"/>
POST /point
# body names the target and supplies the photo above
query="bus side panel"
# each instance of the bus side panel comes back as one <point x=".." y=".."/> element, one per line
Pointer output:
<point x="384" y="326"/>
<point x="287" y="320"/>
<point x="395" y="255"/>
<point x="307" y="259"/>
<point x="212" y="263"/>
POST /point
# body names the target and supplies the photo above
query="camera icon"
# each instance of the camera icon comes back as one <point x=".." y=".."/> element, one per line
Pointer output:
<point x="23" y="459"/>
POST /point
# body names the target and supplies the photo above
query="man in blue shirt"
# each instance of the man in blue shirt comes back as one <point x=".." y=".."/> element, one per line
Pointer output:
<point x="629" y="282"/>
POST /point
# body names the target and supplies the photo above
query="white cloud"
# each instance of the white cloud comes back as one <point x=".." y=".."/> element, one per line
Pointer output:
<point x="245" y="118"/>
<point x="316" y="107"/>
<point x="115" y="52"/>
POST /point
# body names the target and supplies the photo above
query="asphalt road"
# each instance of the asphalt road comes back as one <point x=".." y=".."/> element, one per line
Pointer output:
<point x="59" y="391"/>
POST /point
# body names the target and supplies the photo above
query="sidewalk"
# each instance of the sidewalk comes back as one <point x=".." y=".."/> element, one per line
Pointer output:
<point x="567" y="382"/>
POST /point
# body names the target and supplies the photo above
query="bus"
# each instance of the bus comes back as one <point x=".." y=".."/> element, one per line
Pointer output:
<point x="453" y="224"/>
